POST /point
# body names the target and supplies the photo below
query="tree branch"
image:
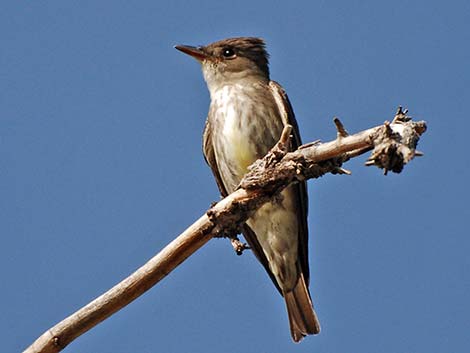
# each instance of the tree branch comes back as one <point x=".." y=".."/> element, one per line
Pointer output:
<point x="392" y="144"/>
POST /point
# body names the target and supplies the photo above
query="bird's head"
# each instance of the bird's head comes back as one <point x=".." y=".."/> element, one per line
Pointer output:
<point x="231" y="60"/>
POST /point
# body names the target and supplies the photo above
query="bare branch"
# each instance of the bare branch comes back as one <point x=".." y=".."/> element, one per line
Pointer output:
<point x="393" y="146"/>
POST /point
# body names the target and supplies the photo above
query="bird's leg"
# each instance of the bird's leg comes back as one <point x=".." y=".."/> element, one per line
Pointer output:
<point x="237" y="245"/>
<point x="231" y="232"/>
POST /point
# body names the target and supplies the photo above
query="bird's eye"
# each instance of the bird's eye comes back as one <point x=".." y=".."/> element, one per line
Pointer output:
<point x="228" y="53"/>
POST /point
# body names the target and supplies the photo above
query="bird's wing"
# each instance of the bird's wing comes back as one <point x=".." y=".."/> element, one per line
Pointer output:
<point x="288" y="117"/>
<point x="209" y="155"/>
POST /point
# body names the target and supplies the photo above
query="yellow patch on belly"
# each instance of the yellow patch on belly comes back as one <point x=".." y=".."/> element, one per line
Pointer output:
<point x="241" y="151"/>
<point x="243" y="155"/>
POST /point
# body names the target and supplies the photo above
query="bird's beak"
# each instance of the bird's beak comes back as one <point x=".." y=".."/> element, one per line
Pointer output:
<point x="195" y="52"/>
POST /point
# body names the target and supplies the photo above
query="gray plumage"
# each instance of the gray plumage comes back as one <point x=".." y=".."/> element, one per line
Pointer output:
<point x="246" y="117"/>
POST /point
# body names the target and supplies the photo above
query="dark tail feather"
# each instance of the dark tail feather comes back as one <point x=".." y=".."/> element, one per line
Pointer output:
<point x="302" y="317"/>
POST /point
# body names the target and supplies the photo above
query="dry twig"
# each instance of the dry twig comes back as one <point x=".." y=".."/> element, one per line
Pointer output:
<point x="393" y="146"/>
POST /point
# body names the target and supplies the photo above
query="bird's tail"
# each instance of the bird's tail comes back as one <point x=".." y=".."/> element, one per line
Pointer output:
<point x="303" y="320"/>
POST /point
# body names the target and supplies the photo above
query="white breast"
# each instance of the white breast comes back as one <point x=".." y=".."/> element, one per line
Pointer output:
<point x="235" y="120"/>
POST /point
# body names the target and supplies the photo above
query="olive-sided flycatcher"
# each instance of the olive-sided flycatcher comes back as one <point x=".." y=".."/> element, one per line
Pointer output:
<point x="246" y="117"/>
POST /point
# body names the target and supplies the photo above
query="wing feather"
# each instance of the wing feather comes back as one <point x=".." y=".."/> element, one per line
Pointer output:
<point x="288" y="117"/>
<point x="209" y="155"/>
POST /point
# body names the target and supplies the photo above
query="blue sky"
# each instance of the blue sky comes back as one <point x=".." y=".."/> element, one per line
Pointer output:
<point x="100" y="147"/>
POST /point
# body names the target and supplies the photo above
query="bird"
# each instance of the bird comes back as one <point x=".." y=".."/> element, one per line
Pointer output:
<point x="247" y="114"/>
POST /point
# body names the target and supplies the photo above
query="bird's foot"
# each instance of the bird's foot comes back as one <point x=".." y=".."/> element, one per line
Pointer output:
<point x="238" y="246"/>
